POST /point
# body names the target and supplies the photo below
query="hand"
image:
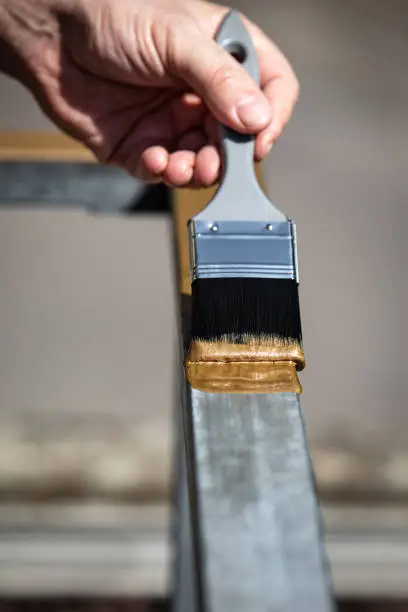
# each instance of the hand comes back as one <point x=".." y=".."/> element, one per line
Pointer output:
<point x="142" y="82"/>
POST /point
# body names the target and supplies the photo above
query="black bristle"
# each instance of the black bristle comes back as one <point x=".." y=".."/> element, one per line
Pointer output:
<point x="236" y="308"/>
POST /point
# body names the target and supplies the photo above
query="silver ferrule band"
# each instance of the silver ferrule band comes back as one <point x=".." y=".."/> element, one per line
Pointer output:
<point x="256" y="249"/>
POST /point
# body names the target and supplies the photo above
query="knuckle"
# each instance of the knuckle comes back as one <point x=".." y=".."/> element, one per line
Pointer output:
<point x="182" y="32"/>
<point x="182" y="27"/>
<point x="186" y="23"/>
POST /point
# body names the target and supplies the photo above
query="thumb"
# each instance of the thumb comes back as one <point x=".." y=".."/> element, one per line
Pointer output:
<point x="224" y="85"/>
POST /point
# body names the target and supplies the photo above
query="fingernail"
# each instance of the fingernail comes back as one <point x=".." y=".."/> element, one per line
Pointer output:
<point x="254" y="111"/>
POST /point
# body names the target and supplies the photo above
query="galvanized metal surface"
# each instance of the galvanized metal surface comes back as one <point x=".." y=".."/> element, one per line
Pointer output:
<point x="256" y="522"/>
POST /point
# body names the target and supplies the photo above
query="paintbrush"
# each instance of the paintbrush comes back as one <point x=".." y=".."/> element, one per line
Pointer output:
<point x="244" y="270"/>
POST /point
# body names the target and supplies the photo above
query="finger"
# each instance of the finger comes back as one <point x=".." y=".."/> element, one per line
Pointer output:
<point x="152" y="164"/>
<point x="263" y="145"/>
<point x="134" y="137"/>
<point x="146" y="160"/>
<point x="283" y="95"/>
<point x="191" y="99"/>
<point x="180" y="168"/>
<point x="263" y="142"/>
<point x="156" y="131"/>
<point x="207" y="166"/>
<point x="272" y="62"/>
<point x="225" y="86"/>
<point x="279" y="83"/>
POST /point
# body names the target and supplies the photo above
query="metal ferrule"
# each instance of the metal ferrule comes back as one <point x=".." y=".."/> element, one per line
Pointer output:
<point x="256" y="249"/>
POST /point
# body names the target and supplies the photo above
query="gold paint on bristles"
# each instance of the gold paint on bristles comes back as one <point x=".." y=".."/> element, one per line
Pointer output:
<point x="251" y="350"/>
<point x="260" y="365"/>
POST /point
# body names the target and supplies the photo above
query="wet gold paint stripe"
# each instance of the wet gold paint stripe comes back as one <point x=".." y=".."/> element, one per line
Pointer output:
<point x="254" y="377"/>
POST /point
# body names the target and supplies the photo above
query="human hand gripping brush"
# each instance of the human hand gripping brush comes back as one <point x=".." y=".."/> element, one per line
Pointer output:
<point x="246" y="328"/>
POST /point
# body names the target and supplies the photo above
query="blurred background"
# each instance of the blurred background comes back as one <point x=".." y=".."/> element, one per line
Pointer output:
<point x="87" y="320"/>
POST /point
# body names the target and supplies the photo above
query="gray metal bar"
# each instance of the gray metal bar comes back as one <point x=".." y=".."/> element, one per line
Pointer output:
<point x="68" y="185"/>
<point x="256" y="523"/>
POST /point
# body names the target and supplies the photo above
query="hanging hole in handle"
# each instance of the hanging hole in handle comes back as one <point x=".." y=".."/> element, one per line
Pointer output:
<point x="237" y="51"/>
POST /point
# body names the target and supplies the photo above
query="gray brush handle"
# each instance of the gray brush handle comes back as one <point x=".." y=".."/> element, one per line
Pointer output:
<point x="239" y="196"/>
<point x="238" y="149"/>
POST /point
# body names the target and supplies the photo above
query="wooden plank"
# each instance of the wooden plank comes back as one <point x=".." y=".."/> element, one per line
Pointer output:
<point x="41" y="146"/>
